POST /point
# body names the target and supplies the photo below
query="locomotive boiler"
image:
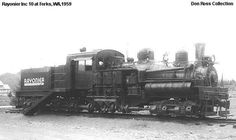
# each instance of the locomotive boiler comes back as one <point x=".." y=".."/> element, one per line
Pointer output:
<point x="101" y="81"/>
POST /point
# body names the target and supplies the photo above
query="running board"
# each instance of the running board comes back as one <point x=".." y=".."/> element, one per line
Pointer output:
<point x="37" y="105"/>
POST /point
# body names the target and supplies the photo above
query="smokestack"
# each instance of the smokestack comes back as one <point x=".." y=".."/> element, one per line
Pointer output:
<point x="200" y="51"/>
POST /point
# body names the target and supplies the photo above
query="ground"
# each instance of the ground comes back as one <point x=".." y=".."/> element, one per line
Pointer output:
<point x="15" y="126"/>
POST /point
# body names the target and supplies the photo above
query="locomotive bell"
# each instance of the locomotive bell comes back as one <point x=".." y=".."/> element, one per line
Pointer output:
<point x="181" y="58"/>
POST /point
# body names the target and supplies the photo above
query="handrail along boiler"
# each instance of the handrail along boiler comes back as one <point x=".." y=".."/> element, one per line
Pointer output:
<point x="101" y="81"/>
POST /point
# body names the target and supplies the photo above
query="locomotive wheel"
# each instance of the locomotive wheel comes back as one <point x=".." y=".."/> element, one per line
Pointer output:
<point x="124" y="109"/>
<point x="112" y="108"/>
<point x="164" y="108"/>
<point x="188" y="108"/>
<point x="120" y="108"/>
<point x="153" y="110"/>
<point x="96" y="107"/>
<point x="127" y="109"/>
<point x="104" y="108"/>
<point x="90" y="107"/>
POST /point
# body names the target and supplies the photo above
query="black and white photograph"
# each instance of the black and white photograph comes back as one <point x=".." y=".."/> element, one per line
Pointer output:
<point x="117" y="70"/>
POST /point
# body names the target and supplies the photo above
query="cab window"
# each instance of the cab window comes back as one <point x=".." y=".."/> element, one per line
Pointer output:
<point x="85" y="65"/>
<point x="81" y="65"/>
<point x="88" y="65"/>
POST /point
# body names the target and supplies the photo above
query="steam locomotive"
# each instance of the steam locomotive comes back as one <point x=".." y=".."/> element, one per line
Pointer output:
<point x="102" y="81"/>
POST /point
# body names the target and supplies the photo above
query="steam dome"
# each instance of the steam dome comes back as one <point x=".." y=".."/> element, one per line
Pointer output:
<point x="145" y="54"/>
<point x="181" y="58"/>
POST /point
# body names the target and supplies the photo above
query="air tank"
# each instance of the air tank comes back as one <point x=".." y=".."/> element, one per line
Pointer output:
<point x="181" y="58"/>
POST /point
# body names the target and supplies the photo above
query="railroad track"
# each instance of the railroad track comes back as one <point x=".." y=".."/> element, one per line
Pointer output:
<point x="160" y="118"/>
<point x="228" y="121"/>
<point x="15" y="110"/>
<point x="138" y="116"/>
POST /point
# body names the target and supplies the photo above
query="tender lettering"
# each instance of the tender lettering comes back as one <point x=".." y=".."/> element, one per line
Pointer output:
<point x="34" y="81"/>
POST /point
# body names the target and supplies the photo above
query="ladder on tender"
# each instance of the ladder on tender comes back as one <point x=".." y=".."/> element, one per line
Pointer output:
<point x="37" y="105"/>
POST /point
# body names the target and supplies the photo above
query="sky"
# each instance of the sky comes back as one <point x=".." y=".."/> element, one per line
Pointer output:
<point x="43" y="36"/>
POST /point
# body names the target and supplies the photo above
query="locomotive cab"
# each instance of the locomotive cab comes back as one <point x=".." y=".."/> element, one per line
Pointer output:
<point x="82" y="66"/>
